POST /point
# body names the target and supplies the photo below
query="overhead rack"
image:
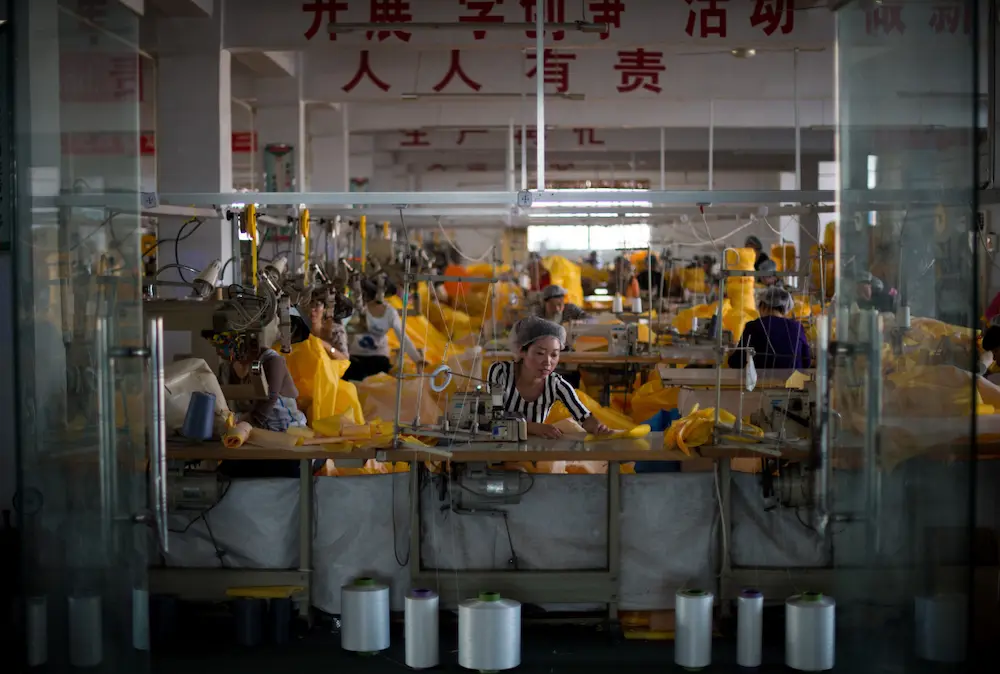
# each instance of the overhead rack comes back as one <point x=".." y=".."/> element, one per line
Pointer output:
<point x="527" y="198"/>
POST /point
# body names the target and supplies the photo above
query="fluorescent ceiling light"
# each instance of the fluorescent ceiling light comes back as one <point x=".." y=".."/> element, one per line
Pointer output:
<point x="589" y="215"/>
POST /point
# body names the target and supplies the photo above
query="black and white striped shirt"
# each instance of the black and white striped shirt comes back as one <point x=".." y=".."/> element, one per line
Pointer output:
<point x="502" y="379"/>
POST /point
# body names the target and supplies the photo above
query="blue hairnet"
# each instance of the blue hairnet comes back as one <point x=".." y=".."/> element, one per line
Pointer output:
<point x="776" y="299"/>
<point x="552" y="292"/>
<point x="531" y="329"/>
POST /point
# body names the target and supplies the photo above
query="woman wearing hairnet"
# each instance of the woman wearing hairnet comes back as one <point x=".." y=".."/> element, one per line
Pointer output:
<point x="778" y="342"/>
<point x="554" y="307"/>
<point x="530" y="385"/>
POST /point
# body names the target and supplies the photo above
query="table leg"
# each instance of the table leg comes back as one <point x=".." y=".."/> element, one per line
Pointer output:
<point x="414" y="556"/>
<point x="614" y="537"/>
<point x="306" y="534"/>
<point x="724" y="475"/>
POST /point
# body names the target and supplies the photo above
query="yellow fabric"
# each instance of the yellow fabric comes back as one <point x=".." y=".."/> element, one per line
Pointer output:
<point x="564" y="273"/>
<point x="783" y="256"/>
<point x="693" y="280"/>
<point x="616" y="421"/>
<point x="322" y="393"/>
<point x="378" y="399"/>
<point x="695" y="429"/>
<point x="651" y="398"/>
<point x="740" y="292"/>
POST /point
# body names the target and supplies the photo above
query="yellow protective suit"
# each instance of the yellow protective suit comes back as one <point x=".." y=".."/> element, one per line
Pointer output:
<point x="651" y="398"/>
<point x="564" y="273"/>
<point x="740" y="292"/>
<point x="322" y="392"/>
<point x="616" y="421"/>
<point x="378" y="399"/>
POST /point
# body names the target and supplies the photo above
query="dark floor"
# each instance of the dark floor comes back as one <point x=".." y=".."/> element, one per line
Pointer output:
<point x="207" y="645"/>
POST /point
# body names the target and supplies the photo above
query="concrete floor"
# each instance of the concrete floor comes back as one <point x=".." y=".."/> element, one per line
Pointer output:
<point x="207" y="645"/>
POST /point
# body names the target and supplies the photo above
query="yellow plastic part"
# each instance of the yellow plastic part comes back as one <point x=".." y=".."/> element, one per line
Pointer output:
<point x="363" y="235"/>
<point x="251" y="216"/>
<point x="304" y="231"/>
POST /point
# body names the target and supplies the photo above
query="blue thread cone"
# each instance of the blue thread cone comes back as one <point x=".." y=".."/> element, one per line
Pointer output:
<point x="199" y="422"/>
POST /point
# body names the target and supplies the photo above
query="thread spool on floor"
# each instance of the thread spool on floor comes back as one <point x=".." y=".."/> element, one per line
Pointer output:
<point x="489" y="633"/>
<point x="810" y="626"/>
<point x="364" y="617"/>
<point x="693" y="635"/>
<point x="421" y="628"/>
<point x="749" y="628"/>
<point x="941" y="627"/>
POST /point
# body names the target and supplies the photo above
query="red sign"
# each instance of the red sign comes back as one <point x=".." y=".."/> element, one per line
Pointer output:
<point x="947" y="17"/>
<point x="81" y="144"/>
<point x="99" y="78"/>
<point x="389" y="11"/>
<point x="709" y="18"/>
<point x="467" y="132"/>
<point x="885" y="19"/>
<point x="772" y="15"/>
<point x="640" y="68"/>
<point x="555" y="12"/>
<point x="587" y="137"/>
<point x="415" y="138"/>
<point x="482" y="13"/>
<point x="365" y="71"/>
<point x="555" y="68"/>
<point x="324" y="12"/>
<point x="455" y="70"/>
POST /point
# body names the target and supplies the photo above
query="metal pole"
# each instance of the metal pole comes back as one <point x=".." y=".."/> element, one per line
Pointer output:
<point x="663" y="159"/>
<point x="510" y="155"/>
<point x="649" y="280"/>
<point x="798" y="125"/>
<point x="540" y="94"/>
<point x="345" y="130"/>
<point x="400" y="376"/>
<point x="524" y="129"/>
<point x="821" y="437"/>
<point x="711" y="144"/>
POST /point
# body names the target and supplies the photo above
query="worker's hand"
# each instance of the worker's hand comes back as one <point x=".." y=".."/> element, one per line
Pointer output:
<point x="544" y="431"/>
<point x="592" y="425"/>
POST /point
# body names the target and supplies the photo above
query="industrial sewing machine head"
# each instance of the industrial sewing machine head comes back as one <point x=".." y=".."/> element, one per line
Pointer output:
<point x="623" y="339"/>
<point x="477" y="413"/>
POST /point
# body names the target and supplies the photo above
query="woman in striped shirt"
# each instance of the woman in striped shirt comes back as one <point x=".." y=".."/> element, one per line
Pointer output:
<point x="530" y="385"/>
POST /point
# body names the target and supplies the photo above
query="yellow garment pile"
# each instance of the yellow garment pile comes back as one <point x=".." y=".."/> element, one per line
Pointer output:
<point x="938" y="391"/>
<point x="695" y="429"/>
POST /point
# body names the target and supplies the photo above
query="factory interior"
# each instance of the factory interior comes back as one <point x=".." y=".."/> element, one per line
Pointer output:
<point x="343" y="335"/>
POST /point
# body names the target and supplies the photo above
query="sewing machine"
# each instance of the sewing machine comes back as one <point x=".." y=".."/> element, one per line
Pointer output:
<point x="481" y="415"/>
<point x="623" y="339"/>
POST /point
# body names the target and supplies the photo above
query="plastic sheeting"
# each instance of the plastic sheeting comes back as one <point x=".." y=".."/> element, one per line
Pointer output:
<point x="669" y="523"/>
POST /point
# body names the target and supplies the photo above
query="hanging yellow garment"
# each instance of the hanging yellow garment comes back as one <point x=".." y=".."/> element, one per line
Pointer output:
<point x="564" y="273"/>
<point x="322" y="392"/>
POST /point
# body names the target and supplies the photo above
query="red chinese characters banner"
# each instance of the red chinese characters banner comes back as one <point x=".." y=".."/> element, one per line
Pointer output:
<point x="124" y="144"/>
<point x="276" y="24"/>
<point x="89" y="77"/>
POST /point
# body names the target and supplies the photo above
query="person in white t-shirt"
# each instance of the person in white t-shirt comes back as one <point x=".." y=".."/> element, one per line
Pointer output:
<point x="370" y="349"/>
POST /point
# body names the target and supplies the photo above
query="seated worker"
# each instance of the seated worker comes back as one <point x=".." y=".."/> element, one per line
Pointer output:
<point x="779" y="343"/>
<point x="769" y="266"/>
<point x="991" y="350"/>
<point x="327" y="323"/>
<point x="870" y="293"/>
<point x="554" y="307"/>
<point x="369" y="350"/>
<point x="623" y="281"/>
<point x="530" y="385"/>
<point x="654" y="269"/>
<point x="278" y="412"/>
<point x="754" y="242"/>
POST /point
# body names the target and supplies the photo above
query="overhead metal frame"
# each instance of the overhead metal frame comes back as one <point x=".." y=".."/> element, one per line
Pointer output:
<point x="861" y="198"/>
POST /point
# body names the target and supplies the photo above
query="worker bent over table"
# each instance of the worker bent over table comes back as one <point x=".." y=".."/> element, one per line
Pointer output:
<point x="530" y="385"/>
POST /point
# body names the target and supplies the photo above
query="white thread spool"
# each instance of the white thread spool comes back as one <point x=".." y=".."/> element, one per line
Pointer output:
<point x="140" y="619"/>
<point x="693" y="635"/>
<point x="617" y="304"/>
<point x="421" y="625"/>
<point x="86" y="636"/>
<point x="37" y="631"/>
<point x="810" y="624"/>
<point x="637" y="305"/>
<point x="489" y="633"/>
<point x="941" y="633"/>
<point x="364" y="616"/>
<point x="749" y="628"/>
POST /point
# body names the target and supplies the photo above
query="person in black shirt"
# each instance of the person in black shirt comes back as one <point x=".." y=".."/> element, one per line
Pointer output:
<point x="754" y="242"/>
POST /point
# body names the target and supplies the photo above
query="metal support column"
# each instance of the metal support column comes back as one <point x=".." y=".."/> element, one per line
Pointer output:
<point x="306" y="534"/>
<point x="539" y="94"/>
<point x="614" y="537"/>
